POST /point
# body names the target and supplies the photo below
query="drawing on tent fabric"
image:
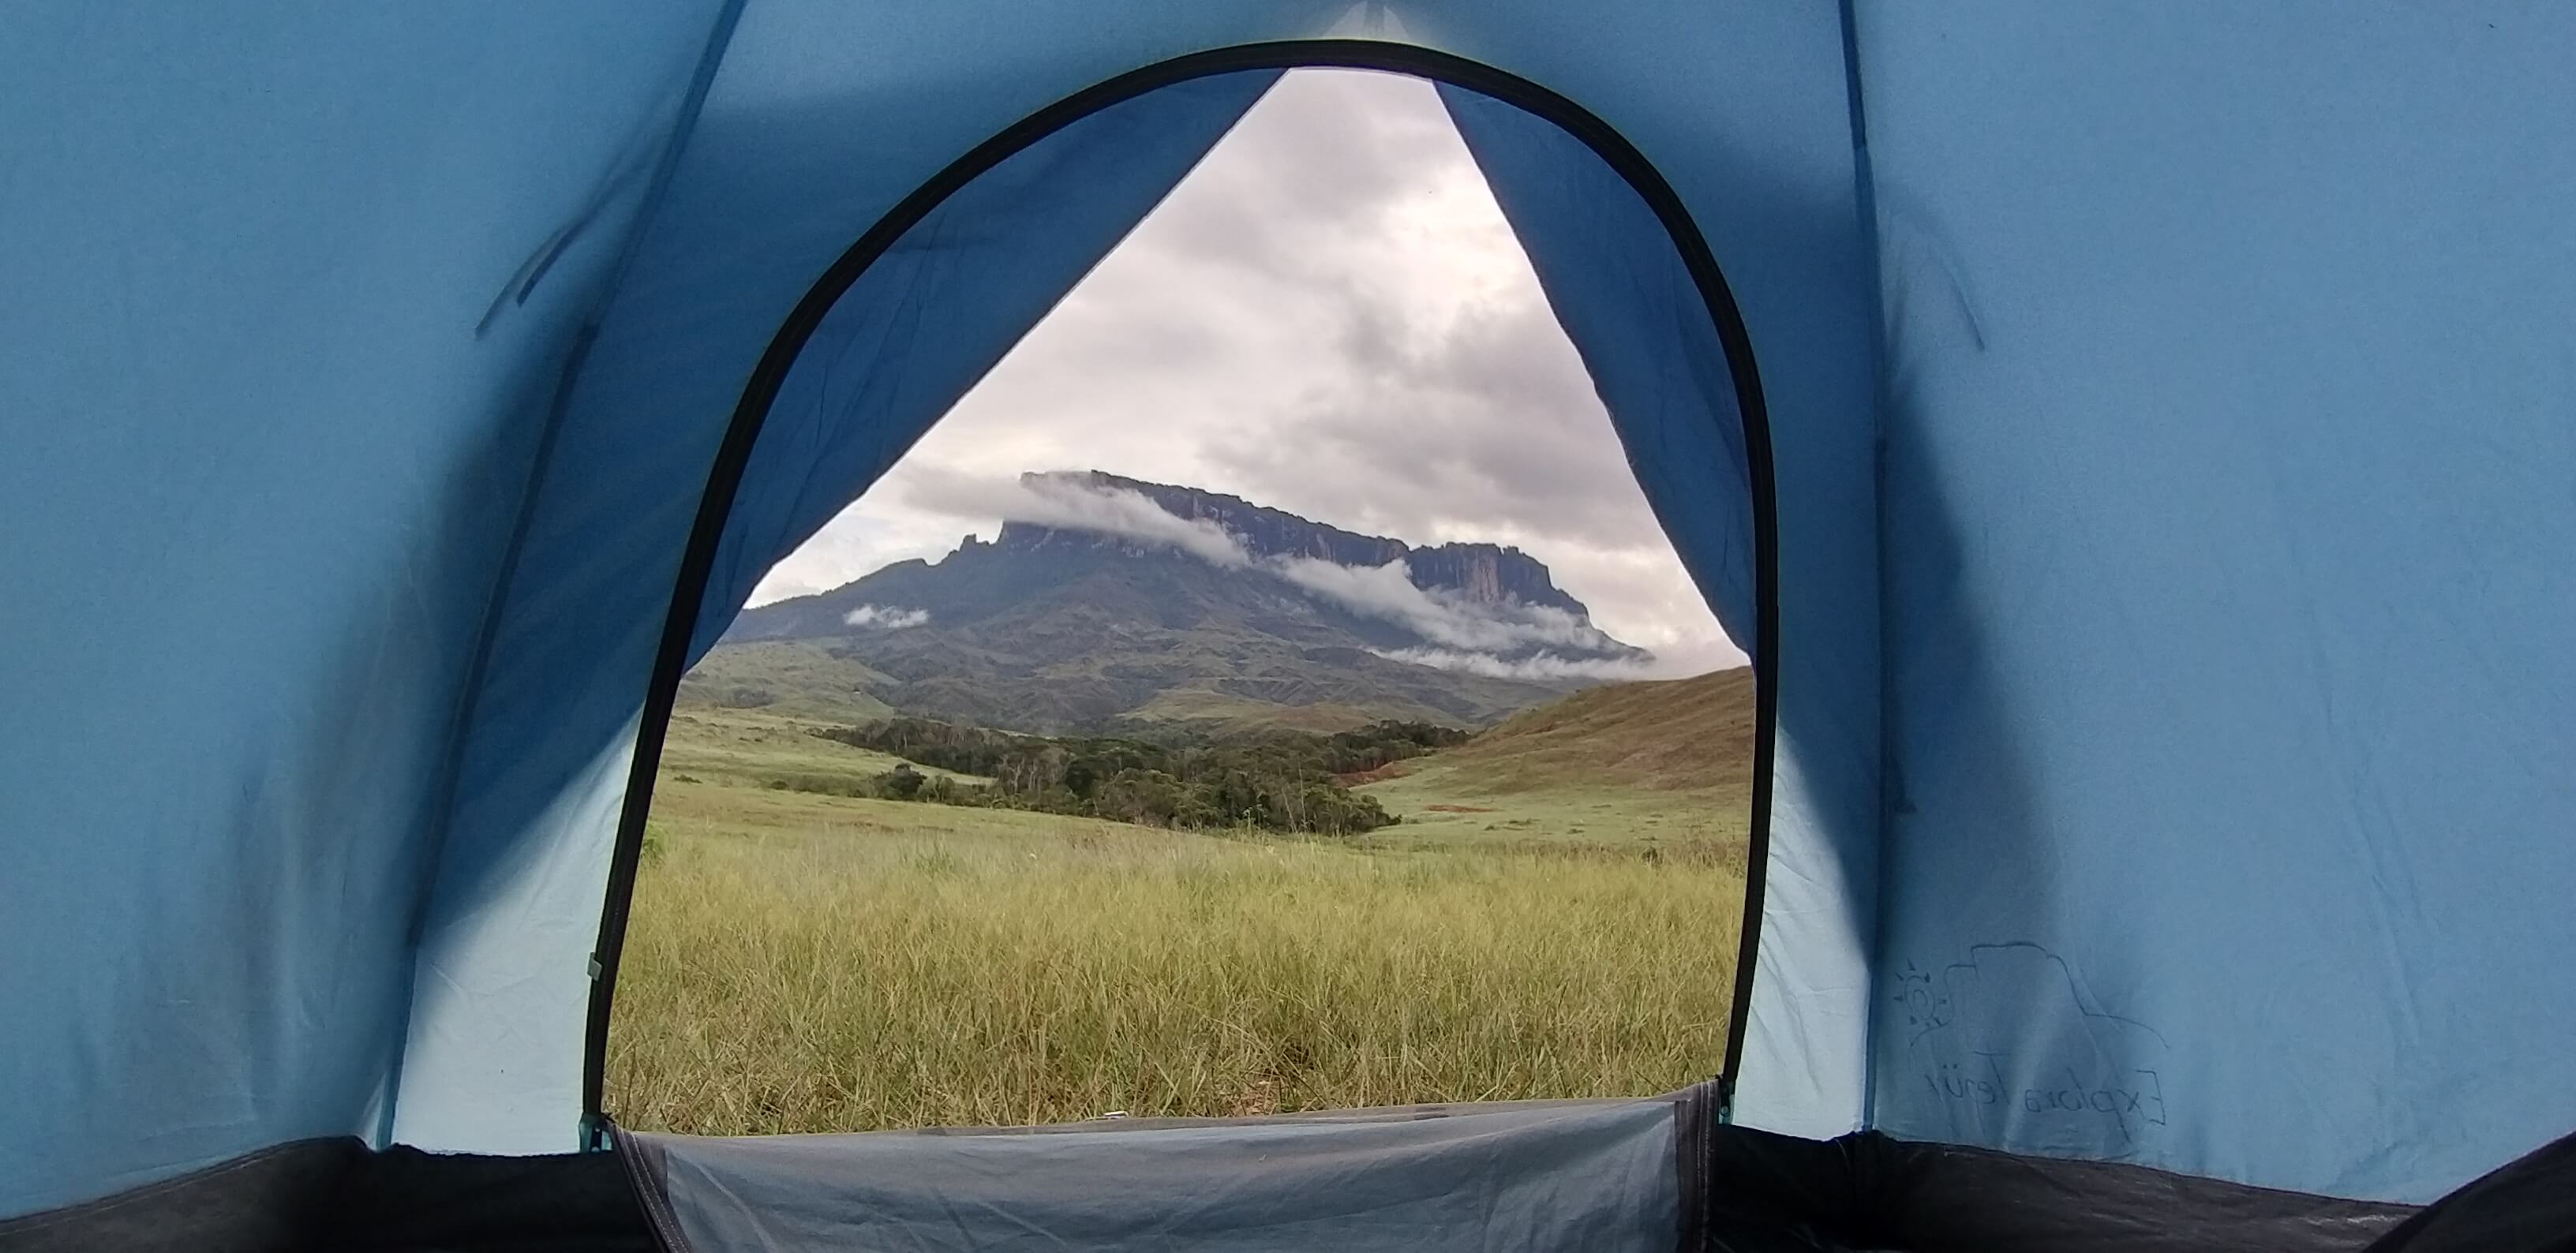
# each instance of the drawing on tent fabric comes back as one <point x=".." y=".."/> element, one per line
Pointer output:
<point x="2012" y="1046"/>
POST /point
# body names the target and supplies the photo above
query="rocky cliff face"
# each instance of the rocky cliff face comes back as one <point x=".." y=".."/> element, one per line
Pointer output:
<point x="1491" y="574"/>
<point x="1484" y="574"/>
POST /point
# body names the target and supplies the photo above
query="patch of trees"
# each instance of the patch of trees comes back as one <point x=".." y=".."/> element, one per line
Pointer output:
<point x="1282" y="782"/>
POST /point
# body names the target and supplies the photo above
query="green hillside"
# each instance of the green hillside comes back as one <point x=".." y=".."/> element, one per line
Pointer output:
<point x="759" y="748"/>
<point x="1665" y="765"/>
<point x="790" y="677"/>
<point x="1668" y="763"/>
<point x="1219" y="713"/>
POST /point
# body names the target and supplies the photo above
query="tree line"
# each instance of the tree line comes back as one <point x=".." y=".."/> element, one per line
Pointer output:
<point x="1285" y="782"/>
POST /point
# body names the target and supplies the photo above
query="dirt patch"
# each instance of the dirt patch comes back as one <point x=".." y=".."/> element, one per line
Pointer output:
<point x="1458" y="809"/>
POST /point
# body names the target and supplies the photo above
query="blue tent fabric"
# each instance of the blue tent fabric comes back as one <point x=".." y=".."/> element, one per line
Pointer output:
<point x="2170" y="427"/>
<point x="2235" y="793"/>
<point x="262" y="441"/>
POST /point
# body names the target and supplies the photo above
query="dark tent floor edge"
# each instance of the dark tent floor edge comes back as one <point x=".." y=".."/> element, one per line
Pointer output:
<point x="1722" y="1189"/>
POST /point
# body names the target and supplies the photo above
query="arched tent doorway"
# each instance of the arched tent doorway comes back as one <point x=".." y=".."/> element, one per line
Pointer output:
<point x="1674" y="365"/>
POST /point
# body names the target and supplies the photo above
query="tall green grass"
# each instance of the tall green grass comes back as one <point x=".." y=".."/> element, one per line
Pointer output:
<point x="840" y="966"/>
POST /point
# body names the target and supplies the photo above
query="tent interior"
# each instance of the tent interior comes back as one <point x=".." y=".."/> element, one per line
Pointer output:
<point x="2133" y="444"/>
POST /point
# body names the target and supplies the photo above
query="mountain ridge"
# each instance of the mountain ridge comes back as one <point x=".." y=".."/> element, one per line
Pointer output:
<point x="1486" y="573"/>
<point x="1135" y="604"/>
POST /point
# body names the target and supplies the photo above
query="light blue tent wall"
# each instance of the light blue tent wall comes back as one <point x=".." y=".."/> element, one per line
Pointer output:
<point x="268" y="395"/>
<point x="2215" y="552"/>
<point x="2232" y="500"/>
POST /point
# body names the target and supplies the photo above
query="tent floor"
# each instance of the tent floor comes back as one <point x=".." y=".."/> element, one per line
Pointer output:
<point x="1763" y="1194"/>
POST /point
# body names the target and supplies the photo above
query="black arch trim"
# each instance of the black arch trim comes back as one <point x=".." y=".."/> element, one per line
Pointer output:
<point x="724" y="479"/>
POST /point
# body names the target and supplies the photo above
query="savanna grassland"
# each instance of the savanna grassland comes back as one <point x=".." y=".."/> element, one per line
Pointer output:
<point x="1554" y="916"/>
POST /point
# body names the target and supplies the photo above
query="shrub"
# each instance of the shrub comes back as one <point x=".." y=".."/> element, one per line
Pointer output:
<point x="1283" y="782"/>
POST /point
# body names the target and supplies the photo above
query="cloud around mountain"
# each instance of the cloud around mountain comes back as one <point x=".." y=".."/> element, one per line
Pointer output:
<point x="1068" y="502"/>
<point x="1497" y="638"/>
<point x="1541" y="667"/>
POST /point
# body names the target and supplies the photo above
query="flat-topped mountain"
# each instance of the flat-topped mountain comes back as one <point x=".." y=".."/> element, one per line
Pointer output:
<point x="1116" y="603"/>
<point x="1488" y="574"/>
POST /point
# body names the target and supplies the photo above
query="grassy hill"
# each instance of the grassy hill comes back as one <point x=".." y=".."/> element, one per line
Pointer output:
<point x="1665" y="766"/>
<point x="761" y="748"/>
<point x="1665" y="763"/>
<point x="1215" y="712"/>
<point x="1669" y="735"/>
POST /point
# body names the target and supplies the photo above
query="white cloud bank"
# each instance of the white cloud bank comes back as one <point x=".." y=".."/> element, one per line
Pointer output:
<point x="1541" y="666"/>
<point x="1388" y="593"/>
<point x="1066" y="501"/>
<point x="885" y="617"/>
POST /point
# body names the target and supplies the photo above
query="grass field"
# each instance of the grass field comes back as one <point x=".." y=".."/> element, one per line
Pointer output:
<point x="803" y="962"/>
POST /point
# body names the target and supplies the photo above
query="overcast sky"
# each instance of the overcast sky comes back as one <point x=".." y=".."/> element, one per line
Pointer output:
<point x="1328" y="316"/>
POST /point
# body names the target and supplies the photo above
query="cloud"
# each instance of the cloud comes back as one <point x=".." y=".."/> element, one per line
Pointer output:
<point x="1540" y="666"/>
<point x="885" y="617"/>
<point x="1316" y="162"/>
<point x="1064" y="500"/>
<point x="1388" y="593"/>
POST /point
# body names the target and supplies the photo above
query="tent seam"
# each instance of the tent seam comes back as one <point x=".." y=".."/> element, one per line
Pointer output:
<point x="1865" y="208"/>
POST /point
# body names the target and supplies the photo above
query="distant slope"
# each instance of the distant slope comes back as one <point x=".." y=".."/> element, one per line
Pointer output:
<point x="785" y="677"/>
<point x="1672" y="734"/>
<point x="757" y="749"/>
<point x="1668" y="761"/>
